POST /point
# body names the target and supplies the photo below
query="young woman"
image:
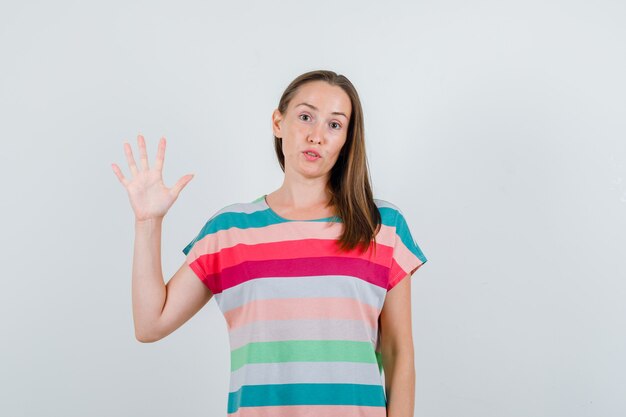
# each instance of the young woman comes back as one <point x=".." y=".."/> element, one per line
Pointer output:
<point x="312" y="278"/>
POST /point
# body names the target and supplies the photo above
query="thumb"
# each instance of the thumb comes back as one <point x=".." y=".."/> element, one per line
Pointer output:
<point x="181" y="183"/>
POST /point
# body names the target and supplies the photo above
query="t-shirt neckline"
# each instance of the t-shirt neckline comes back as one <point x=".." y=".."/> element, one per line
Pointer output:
<point x="271" y="210"/>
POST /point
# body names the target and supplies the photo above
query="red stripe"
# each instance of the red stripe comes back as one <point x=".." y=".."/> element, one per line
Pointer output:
<point x="304" y="248"/>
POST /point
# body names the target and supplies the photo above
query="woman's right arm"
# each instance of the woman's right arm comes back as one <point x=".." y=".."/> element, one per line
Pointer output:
<point x="158" y="309"/>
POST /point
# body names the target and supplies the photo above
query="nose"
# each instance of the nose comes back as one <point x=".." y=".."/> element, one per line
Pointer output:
<point x="317" y="133"/>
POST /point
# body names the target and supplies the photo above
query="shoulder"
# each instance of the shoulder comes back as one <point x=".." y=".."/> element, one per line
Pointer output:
<point x="380" y="203"/>
<point x="237" y="209"/>
<point x="389" y="212"/>
<point x="235" y="215"/>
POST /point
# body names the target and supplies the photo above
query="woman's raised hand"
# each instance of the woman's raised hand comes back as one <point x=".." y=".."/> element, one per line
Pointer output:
<point x="149" y="197"/>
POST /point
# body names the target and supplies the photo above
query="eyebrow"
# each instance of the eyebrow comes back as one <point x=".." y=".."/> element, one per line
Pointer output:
<point x="315" y="108"/>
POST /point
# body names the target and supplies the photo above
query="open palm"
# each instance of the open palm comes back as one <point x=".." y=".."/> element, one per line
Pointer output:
<point x="149" y="197"/>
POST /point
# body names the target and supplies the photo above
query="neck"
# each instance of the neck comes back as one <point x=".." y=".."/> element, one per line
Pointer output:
<point x="303" y="194"/>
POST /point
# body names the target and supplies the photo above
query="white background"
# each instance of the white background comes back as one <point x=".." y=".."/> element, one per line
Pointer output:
<point x="496" y="126"/>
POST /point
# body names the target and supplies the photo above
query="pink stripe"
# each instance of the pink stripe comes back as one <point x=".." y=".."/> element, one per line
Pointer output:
<point x="318" y="308"/>
<point x="301" y="267"/>
<point x="370" y="272"/>
<point x="404" y="257"/>
<point x="213" y="263"/>
<point x="397" y="273"/>
<point x="310" y="411"/>
<point x="218" y="241"/>
<point x="404" y="261"/>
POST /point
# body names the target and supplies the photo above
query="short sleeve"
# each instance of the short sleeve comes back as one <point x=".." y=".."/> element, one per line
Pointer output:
<point x="407" y="255"/>
<point x="203" y="253"/>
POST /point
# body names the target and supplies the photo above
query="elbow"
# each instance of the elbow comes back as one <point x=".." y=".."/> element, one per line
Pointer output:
<point x="149" y="331"/>
<point x="143" y="339"/>
<point x="143" y="336"/>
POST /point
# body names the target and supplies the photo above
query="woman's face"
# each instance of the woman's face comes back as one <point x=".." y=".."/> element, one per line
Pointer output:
<point x="316" y="119"/>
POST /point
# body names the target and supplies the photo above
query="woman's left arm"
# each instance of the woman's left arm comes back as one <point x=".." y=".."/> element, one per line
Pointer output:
<point x="397" y="350"/>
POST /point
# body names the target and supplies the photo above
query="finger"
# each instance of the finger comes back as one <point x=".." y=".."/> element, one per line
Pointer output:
<point x="143" y="153"/>
<point x="178" y="187"/>
<point x="118" y="173"/>
<point x="130" y="159"/>
<point x="158" y="165"/>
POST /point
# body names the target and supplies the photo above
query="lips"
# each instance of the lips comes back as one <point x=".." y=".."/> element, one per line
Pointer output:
<point x="313" y="152"/>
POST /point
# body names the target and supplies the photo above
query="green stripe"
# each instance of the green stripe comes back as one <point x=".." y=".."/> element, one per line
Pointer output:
<point x="262" y="218"/>
<point x="230" y="219"/>
<point x="379" y="359"/>
<point x="302" y="351"/>
<point x="306" y="394"/>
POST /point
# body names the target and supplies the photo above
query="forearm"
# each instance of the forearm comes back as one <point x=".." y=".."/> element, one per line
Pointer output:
<point x="148" y="288"/>
<point x="400" y="385"/>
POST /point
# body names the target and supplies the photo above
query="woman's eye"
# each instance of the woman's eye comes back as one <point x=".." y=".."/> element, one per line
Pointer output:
<point x="304" y="115"/>
<point x="338" y="125"/>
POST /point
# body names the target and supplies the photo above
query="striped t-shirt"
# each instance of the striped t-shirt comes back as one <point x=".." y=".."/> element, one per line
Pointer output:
<point x="302" y="316"/>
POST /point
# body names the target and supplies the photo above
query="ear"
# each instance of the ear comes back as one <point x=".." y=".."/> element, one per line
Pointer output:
<point x="276" y="123"/>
